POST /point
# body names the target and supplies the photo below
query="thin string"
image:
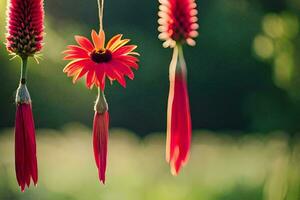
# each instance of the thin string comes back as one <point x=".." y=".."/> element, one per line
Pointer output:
<point x="101" y="10"/>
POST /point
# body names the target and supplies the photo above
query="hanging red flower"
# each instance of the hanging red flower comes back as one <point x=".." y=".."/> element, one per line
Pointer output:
<point x="178" y="25"/>
<point x="24" y="39"/>
<point x="98" y="61"/>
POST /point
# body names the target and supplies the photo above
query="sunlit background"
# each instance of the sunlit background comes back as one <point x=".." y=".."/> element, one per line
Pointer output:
<point x="244" y="84"/>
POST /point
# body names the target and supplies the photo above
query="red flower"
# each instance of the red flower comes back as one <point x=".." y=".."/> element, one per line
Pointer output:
<point x="25" y="146"/>
<point x="25" y="27"/>
<point x="24" y="37"/>
<point x="100" y="139"/>
<point x="177" y="22"/>
<point x="179" y="128"/>
<point x="178" y="25"/>
<point x="97" y="61"/>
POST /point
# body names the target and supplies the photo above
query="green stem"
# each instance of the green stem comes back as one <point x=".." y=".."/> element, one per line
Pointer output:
<point x="23" y="70"/>
<point x="23" y="95"/>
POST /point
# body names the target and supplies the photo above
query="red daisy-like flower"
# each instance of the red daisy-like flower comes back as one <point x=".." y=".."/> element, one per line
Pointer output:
<point x="97" y="61"/>
<point x="178" y="22"/>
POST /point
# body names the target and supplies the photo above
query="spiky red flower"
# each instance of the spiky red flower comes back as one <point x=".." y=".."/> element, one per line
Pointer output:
<point x="97" y="61"/>
<point x="25" y="27"/>
<point x="100" y="140"/>
<point x="25" y="146"/>
<point x="178" y="22"/>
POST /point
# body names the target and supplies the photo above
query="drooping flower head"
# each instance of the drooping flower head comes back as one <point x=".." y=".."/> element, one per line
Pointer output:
<point x="97" y="61"/>
<point x="25" y="19"/>
<point x="178" y="22"/>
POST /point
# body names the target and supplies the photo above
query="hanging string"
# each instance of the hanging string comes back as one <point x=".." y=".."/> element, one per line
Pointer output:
<point x="100" y="8"/>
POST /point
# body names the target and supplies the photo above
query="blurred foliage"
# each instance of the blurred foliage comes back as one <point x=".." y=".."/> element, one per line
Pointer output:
<point x="243" y="73"/>
<point x="221" y="167"/>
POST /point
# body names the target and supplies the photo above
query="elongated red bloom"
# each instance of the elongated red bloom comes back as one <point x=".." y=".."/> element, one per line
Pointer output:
<point x="178" y="22"/>
<point x="25" y="146"/>
<point x="100" y="139"/>
<point x="179" y="128"/>
<point x="97" y="61"/>
<point x="25" y="27"/>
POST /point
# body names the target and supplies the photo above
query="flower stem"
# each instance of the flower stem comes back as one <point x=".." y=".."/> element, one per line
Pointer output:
<point x="101" y="105"/>
<point x="23" y="95"/>
<point x="23" y="70"/>
<point x="100" y="8"/>
<point x="181" y="65"/>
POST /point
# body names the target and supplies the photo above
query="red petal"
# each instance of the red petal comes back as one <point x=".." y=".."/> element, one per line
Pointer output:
<point x="84" y="43"/>
<point x="101" y="77"/>
<point x="109" y="72"/>
<point x="83" y="71"/>
<point x="75" y="63"/>
<point x="125" y="50"/>
<point x="127" y="62"/>
<point x="90" y="78"/>
<point x="113" y="40"/>
<point x="25" y="146"/>
<point x="123" y="68"/>
<point x="100" y="139"/>
<point x="179" y="129"/>
<point x="75" y="52"/>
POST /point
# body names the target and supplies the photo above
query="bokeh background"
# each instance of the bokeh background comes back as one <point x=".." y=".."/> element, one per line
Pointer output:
<point x="244" y="84"/>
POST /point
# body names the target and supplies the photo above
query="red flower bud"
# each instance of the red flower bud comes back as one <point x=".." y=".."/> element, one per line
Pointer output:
<point x="25" y="27"/>
<point x="178" y="22"/>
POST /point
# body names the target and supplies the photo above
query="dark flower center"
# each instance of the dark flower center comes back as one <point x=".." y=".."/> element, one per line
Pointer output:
<point x="100" y="56"/>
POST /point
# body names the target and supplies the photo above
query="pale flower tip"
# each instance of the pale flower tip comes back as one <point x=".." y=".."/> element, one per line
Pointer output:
<point x="102" y="181"/>
<point x="174" y="172"/>
<point x="191" y="42"/>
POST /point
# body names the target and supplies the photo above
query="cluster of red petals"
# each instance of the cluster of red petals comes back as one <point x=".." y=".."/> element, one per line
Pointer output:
<point x="25" y="27"/>
<point x="179" y="128"/>
<point x="100" y="140"/>
<point x="25" y="146"/>
<point x="97" y="61"/>
<point x="178" y="22"/>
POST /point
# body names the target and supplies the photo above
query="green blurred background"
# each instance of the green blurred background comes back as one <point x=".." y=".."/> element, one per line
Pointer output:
<point x="244" y="84"/>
